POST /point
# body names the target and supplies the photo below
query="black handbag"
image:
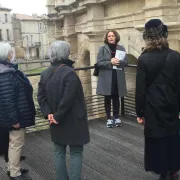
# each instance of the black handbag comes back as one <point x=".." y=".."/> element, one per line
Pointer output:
<point x="96" y="70"/>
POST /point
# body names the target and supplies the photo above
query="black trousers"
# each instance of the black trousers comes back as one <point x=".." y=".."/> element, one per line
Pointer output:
<point x="4" y="142"/>
<point x="116" y="105"/>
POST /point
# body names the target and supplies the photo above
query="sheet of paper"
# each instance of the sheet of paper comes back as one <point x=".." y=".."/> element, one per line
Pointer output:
<point x="115" y="67"/>
<point x="120" y="55"/>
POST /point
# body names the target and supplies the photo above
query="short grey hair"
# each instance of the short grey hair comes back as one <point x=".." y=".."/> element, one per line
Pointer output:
<point x="59" y="50"/>
<point x="5" y="50"/>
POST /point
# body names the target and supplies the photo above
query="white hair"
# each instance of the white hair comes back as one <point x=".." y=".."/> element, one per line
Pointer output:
<point x="59" y="50"/>
<point x="5" y="50"/>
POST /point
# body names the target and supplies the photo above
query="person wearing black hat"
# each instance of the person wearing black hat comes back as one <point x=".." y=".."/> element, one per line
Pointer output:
<point x="158" y="101"/>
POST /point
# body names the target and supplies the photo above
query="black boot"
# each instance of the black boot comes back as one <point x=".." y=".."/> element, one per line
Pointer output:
<point x="16" y="178"/>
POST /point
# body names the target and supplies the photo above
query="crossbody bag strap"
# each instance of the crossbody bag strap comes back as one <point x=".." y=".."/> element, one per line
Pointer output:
<point x="160" y="69"/>
<point x="55" y="70"/>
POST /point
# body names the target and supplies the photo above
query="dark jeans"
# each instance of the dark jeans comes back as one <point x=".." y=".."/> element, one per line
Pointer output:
<point x="76" y="156"/>
<point x="116" y="105"/>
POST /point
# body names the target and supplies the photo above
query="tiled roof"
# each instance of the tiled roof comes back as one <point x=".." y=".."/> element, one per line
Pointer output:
<point x="4" y="8"/>
<point x="26" y="17"/>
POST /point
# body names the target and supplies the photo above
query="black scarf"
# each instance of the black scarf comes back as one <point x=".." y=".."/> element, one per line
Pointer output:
<point x="112" y="48"/>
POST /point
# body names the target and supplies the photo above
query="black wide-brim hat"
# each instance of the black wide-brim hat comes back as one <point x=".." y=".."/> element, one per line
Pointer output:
<point x="155" y="30"/>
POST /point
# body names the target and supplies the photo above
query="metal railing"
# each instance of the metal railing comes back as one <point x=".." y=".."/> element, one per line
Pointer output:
<point x="94" y="103"/>
<point x="31" y="59"/>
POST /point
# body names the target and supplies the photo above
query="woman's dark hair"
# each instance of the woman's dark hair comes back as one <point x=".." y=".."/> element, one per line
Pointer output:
<point x="116" y="34"/>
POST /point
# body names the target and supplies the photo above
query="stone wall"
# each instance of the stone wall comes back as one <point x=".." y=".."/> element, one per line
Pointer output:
<point x="84" y="23"/>
<point x="27" y="66"/>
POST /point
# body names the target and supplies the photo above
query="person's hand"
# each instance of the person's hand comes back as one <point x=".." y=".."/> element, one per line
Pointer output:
<point x="50" y="116"/>
<point x="51" y="119"/>
<point x="16" y="126"/>
<point x="115" y="61"/>
<point x="140" y="120"/>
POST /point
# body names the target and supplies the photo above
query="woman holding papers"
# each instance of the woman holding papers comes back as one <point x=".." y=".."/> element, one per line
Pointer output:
<point x="158" y="101"/>
<point x="111" y="60"/>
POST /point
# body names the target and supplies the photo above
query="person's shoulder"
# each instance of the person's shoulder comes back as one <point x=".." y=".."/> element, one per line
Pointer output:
<point x="68" y="69"/>
<point x="174" y="56"/>
<point x="143" y="58"/>
<point x="121" y="47"/>
<point x="46" y="71"/>
<point x="65" y="70"/>
<point x="174" y="52"/>
<point x="102" y="47"/>
<point x="144" y="55"/>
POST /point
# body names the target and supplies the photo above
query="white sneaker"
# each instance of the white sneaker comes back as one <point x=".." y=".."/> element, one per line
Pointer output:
<point x="118" y="122"/>
<point x="110" y="123"/>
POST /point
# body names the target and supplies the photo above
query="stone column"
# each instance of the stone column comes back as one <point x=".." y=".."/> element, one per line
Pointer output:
<point x="72" y="40"/>
<point x="95" y="43"/>
<point x="167" y="10"/>
<point x="69" y="25"/>
<point x="174" y="36"/>
<point x="95" y="14"/>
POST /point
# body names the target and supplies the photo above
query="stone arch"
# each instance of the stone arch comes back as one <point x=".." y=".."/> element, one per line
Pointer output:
<point x="135" y="43"/>
<point x="85" y="75"/>
<point x="131" y="73"/>
<point x="132" y="59"/>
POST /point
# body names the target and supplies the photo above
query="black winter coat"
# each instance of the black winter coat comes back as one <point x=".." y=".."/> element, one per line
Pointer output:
<point x="16" y="100"/>
<point x="157" y="92"/>
<point x="60" y="93"/>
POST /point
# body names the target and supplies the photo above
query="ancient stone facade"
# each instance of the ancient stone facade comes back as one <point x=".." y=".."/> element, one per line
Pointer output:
<point x="30" y="36"/>
<point x="83" y="23"/>
<point x="6" y="30"/>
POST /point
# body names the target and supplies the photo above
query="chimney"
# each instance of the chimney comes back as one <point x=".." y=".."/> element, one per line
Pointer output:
<point x="34" y="15"/>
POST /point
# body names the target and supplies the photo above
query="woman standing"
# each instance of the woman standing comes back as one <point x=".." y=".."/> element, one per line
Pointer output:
<point x="111" y="79"/>
<point x="61" y="99"/>
<point x="158" y="102"/>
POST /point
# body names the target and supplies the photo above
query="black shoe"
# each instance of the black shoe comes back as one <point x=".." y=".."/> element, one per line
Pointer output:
<point x="16" y="178"/>
<point x="22" y="158"/>
<point x="26" y="176"/>
<point x="23" y="171"/>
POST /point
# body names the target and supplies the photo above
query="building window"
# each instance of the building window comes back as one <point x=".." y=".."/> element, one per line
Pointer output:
<point x="105" y="11"/>
<point x="6" y="18"/>
<point x="31" y="39"/>
<point x="8" y="34"/>
<point x="1" y="35"/>
<point x="45" y="27"/>
<point x="40" y="26"/>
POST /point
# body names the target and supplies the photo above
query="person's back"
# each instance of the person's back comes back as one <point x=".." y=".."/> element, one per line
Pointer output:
<point x="157" y="101"/>
<point x="162" y="72"/>
<point x="72" y="116"/>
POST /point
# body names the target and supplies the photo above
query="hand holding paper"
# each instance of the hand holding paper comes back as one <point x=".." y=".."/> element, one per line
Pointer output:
<point x="120" y="55"/>
<point x="115" y="61"/>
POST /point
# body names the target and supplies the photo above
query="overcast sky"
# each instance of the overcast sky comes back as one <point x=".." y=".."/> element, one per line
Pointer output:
<point x="25" y="6"/>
